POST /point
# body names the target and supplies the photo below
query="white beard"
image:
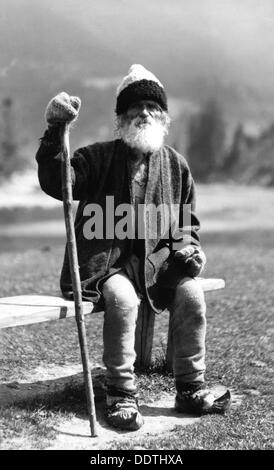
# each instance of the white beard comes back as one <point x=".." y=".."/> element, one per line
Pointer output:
<point x="145" y="135"/>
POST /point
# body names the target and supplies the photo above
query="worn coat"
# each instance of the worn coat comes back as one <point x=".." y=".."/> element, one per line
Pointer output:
<point x="101" y="170"/>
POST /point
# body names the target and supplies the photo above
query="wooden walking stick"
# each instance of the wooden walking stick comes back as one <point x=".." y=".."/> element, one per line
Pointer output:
<point x="75" y="276"/>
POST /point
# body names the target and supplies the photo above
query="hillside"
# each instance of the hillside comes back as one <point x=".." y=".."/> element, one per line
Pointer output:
<point x="198" y="49"/>
<point x="251" y="159"/>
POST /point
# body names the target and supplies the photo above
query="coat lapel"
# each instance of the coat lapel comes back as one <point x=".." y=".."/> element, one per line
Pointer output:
<point x="154" y="184"/>
<point x="154" y="197"/>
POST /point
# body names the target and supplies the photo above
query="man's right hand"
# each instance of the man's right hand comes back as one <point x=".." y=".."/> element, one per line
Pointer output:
<point x="62" y="109"/>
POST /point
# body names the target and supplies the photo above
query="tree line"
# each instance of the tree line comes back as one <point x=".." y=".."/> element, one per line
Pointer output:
<point x="10" y="160"/>
<point x="204" y="143"/>
<point x="246" y="159"/>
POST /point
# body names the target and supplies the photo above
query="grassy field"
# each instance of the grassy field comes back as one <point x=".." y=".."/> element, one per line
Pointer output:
<point x="239" y="349"/>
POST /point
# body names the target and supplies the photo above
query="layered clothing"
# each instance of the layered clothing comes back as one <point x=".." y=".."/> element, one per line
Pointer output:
<point x="101" y="175"/>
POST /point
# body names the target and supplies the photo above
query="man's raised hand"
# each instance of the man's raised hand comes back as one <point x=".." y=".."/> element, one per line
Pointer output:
<point x="62" y="109"/>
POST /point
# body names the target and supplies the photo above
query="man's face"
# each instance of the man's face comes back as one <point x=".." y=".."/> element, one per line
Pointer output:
<point x="144" y="126"/>
<point x="144" y="111"/>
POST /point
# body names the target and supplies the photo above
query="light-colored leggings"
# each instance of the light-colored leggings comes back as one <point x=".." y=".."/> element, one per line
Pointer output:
<point x="188" y="323"/>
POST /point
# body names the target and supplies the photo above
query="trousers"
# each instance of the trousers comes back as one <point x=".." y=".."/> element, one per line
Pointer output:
<point x="188" y="327"/>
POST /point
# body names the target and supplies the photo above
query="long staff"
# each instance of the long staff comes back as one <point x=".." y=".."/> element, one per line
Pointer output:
<point x="75" y="276"/>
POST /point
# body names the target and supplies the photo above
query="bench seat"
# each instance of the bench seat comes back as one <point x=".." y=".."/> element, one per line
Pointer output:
<point x="28" y="309"/>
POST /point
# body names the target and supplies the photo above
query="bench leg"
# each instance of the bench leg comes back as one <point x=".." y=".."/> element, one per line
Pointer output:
<point x="169" y="349"/>
<point x="144" y="339"/>
<point x="144" y="336"/>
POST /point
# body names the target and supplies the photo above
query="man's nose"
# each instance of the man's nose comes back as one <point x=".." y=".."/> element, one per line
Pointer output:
<point x="144" y="111"/>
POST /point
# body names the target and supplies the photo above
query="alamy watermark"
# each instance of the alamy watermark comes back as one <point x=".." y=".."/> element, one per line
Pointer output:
<point x="126" y="221"/>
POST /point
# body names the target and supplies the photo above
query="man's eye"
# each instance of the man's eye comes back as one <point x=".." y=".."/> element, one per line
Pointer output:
<point x="155" y="109"/>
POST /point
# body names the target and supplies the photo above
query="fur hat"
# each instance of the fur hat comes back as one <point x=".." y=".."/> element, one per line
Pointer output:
<point x="138" y="85"/>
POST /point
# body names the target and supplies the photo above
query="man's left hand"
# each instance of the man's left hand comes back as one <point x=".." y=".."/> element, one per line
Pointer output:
<point x="192" y="259"/>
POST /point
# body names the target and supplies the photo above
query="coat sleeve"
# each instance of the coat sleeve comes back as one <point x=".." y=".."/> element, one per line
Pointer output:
<point x="48" y="158"/>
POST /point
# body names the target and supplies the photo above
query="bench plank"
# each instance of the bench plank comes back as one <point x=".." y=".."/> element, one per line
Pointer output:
<point x="211" y="284"/>
<point x="29" y="309"/>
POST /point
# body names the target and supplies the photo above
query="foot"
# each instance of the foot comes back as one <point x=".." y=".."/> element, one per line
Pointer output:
<point x="123" y="412"/>
<point x="202" y="399"/>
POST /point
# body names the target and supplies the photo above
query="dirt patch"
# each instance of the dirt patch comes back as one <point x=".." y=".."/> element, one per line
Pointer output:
<point x="74" y="432"/>
<point x="160" y="418"/>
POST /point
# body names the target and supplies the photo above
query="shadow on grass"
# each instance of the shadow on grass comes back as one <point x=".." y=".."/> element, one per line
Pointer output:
<point x="67" y="394"/>
<point x="53" y="395"/>
<point x="69" y="402"/>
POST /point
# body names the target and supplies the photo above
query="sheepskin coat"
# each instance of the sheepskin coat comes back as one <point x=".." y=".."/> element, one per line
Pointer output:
<point x="101" y="170"/>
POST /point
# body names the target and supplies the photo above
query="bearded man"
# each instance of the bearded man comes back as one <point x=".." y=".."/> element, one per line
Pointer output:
<point x="139" y="170"/>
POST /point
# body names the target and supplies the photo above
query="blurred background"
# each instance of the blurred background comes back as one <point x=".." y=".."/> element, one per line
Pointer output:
<point x="214" y="58"/>
<point x="216" y="61"/>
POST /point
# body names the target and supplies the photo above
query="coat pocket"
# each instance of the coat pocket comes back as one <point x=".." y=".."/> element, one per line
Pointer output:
<point x="157" y="260"/>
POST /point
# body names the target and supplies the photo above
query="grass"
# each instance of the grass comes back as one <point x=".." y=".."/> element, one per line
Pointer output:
<point x="239" y="349"/>
<point x="27" y="428"/>
<point x="213" y="433"/>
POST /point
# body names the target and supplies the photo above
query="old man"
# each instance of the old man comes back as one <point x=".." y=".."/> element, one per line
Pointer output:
<point x="155" y="255"/>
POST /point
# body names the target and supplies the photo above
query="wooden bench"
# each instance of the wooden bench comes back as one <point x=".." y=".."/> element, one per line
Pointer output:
<point x="145" y="328"/>
<point x="30" y="309"/>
